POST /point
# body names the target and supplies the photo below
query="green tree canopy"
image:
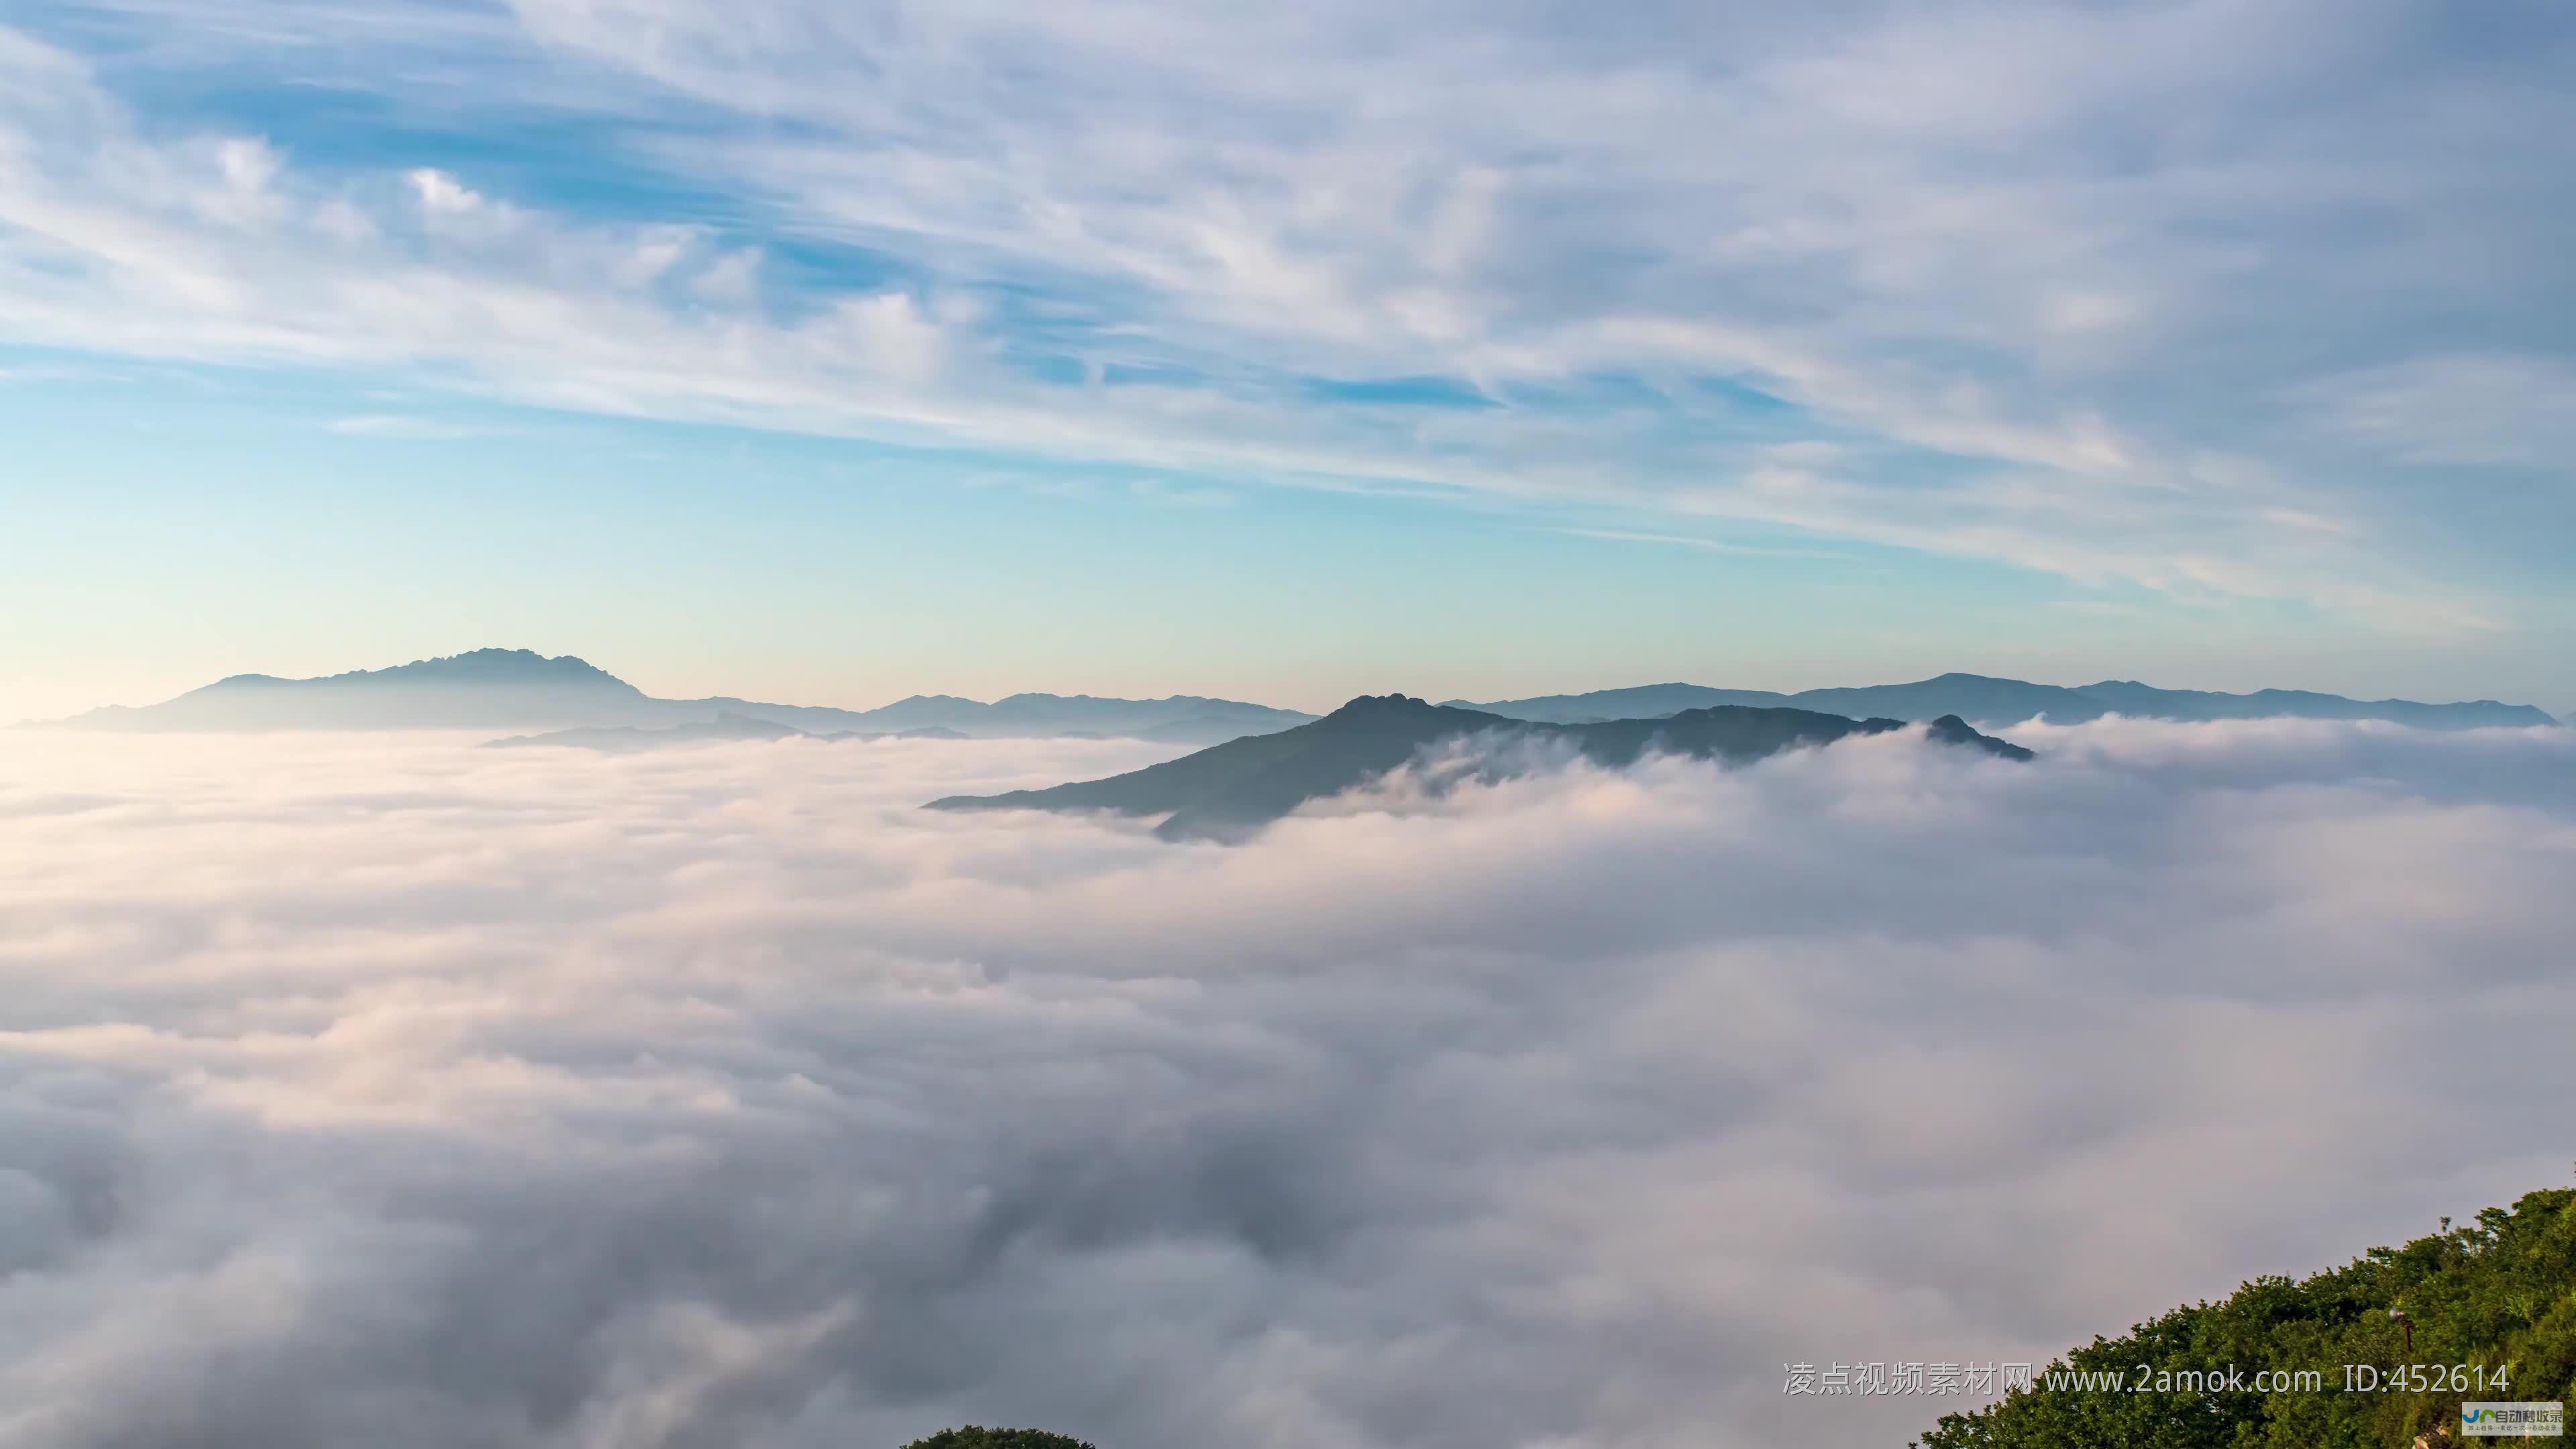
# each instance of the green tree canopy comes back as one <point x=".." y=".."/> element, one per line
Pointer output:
<point x="2498" y="1295"/>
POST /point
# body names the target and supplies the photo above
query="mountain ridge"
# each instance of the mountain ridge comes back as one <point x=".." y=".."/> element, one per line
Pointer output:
<point x="523" y="689"/>
<point x="723" y="729"/>
<point x="526" y="690"/>
<point x="1992" y="700"/>
<point x="1228" y="790"/>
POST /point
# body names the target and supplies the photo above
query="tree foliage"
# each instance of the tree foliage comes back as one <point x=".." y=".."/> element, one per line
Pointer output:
<point x="976" y="1436"/>
<point x="2498" y="1294"/>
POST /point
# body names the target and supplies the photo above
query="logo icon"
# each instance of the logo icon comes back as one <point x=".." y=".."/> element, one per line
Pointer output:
<point x="2540" y="1419"/>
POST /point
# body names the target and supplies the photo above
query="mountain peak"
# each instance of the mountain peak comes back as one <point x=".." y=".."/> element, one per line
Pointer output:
<point x="474" y="666"/>
<point x="1952" y="730"/>
<point x="1406" y="715"/>
<point x="1229" y="789"/>
<point x="1366" y="702"/>
<point x="470" y="690"/>
<point x="501" y="664"/>
<point x="1373" y="708"/>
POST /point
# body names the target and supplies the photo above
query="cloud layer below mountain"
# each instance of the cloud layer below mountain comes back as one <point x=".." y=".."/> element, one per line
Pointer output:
<point x="391" y="1091"/>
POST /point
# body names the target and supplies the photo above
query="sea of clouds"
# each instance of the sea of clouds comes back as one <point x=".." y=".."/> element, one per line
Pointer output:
<point x="387" y="1091"/>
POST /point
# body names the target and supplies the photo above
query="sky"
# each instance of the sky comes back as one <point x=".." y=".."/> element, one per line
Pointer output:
<point x="832" y="352"/>
<point x="376" y="1089"/>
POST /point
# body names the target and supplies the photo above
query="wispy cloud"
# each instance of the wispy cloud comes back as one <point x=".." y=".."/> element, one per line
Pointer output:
<point x="2506" y="411"/>
<point x="2058" y="248"/>
<point x="27" y="374"/>
<point x="400" y="425"/>
<point x="1704" y="545"/>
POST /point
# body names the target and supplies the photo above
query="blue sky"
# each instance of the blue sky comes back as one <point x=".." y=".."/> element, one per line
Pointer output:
<point x="837" y="351"/>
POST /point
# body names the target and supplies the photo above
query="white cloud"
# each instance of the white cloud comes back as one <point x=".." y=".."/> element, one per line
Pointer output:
<point x="441" y="193"/>
<point x="2063" y="244"/>
<point x="890" y="330"/>
<point x="399" y="1091"/>
<point x="2462" y="409"/>
<point x="733" y="277"/>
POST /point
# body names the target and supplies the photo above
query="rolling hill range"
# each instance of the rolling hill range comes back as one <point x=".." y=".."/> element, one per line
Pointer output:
<point x="1992" y="703"/>
<point x="723" y="729"/>
<point x="516" y="689"/>
<point x="1234" y="788"/>
<point x="519" y="689"/>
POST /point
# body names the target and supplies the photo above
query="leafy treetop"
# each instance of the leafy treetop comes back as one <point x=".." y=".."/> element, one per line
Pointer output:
<point x="976" y="1436"/>
<point x="2499" y="1294"/>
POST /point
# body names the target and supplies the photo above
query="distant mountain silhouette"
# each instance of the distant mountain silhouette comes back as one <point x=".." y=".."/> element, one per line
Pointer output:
<point x="1235" y="787"/>
<point x="482" y="688"/>
<point x="522" y="690"/>
<point x="723" y="729"/>
<point x="1179" y="719"/>
<point x="628" y="739"/>
<point x="519" y="689"/>
<point x="1992" y="702"/>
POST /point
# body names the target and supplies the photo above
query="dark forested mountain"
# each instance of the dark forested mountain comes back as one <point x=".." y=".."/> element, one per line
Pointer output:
<point x="2493" y="1304"/>
<point x="518" y="689"/>
<point x="1993" y="702"/>
<point x="1238" y="786"/>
